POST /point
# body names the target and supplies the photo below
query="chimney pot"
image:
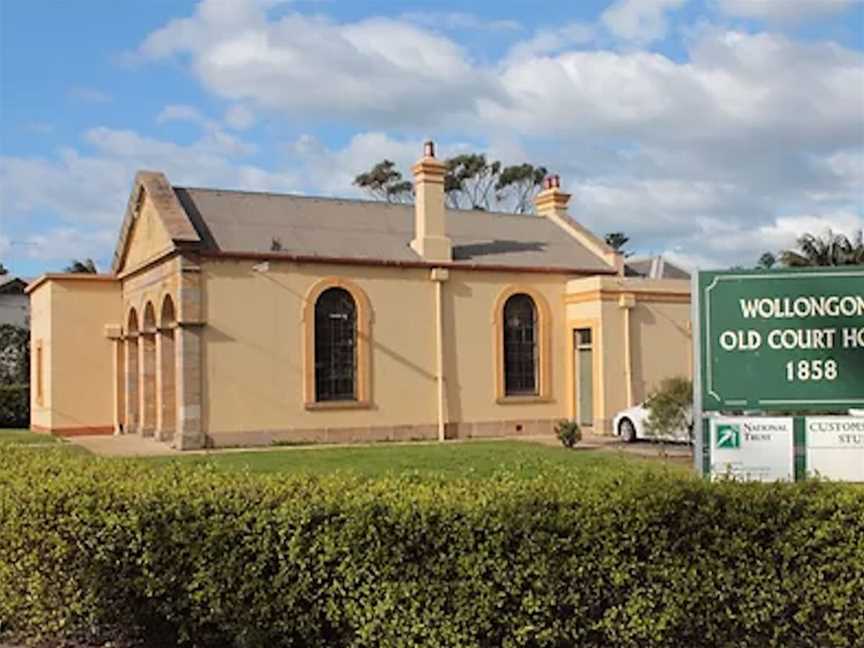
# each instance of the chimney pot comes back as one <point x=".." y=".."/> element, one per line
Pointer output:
<point x="556" y="181"/>
<point x="429" y="149"/>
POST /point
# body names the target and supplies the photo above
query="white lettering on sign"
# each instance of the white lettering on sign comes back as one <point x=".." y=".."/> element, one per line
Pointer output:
<point x="799" y="339"/>
<point x="801" y="307"/>
<point x="853" y="338"/>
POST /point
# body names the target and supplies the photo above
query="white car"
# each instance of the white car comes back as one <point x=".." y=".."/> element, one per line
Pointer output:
<point x="629" y="424"/>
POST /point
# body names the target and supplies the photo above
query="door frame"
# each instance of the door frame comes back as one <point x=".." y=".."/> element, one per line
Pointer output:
<point x="596" y="370"/>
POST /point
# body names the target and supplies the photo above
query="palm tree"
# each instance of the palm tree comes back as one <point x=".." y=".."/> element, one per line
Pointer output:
<point x="617" y="241"/>
<point x="828" y="250"/>
<point x="82" y="267"/>
<point x="767" y="261"/>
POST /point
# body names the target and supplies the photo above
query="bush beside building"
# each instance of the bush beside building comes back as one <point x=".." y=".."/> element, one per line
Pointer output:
<point x="14" y="376"/>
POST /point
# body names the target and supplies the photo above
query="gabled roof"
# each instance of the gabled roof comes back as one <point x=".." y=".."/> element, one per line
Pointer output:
<point x="12" y="285"/>
<point x="220" y="222"/>
<point x="249" y="222"/>
<point x="655" y="267"/>
<point x="156" y="187"/>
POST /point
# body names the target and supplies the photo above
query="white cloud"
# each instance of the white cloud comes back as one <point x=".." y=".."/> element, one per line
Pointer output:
<point x="377" y="70"/>
<point x="63" y="244"/>
<point x="784" y="10"/>
<point x="459" y="20"/>
<point x="332" y="171"/>
<point x="735" y="88"/>
<point x="5" y="245"/>
<point x="719" y="246"/>
<point x="639" y="21"/>
<point x="239" y="117"/>
<point x="180" y="112"/>
<point x="553" y="40"/>
<point x="88" y="192"/>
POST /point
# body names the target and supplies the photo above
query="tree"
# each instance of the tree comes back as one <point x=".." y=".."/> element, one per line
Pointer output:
<point x="87" y="266"/>
<point x="617" y="241"/>
<point x="767" y="261"/>
<point x="3" y="269"/>
<point x="471" y="181"/>
<point x="518" y="185"/>
<point x="829" y="249"/>
<point x="385" y="182"/>
<point x="855" y="254"/>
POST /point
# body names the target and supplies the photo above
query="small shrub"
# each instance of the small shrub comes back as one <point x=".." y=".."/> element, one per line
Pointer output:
<point x="568" y="432"/>
<point x="669" y="407"/>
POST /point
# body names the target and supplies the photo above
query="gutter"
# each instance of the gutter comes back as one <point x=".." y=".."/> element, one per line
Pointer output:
<point x="475" y="267"/>
<point x="74" y="276"/>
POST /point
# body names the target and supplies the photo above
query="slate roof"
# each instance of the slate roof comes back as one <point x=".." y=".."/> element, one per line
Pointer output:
<point x="654" y="268"/>
<point x="244" y="222"/>
<point x="10" y="284"/>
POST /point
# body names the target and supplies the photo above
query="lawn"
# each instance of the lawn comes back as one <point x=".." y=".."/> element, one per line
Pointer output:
<point x="25" y="437"/>
<point x="469" y="460"/>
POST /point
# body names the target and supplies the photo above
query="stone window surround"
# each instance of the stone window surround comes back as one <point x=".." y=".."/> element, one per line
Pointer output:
<point x="363" y="349"/>
<point x="544" y="321"/>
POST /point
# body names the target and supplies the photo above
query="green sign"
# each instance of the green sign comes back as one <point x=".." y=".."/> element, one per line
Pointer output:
<point x="729" y="436"/>
<point x="781" y="341"/>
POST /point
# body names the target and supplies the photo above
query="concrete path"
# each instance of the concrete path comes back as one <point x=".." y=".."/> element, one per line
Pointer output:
<point x="678" y="451"/>
<point x="131" y="445"/>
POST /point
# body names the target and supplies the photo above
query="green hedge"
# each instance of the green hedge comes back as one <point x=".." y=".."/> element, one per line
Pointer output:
<point x="14" y="406"/>
<point x="95" y="549"/>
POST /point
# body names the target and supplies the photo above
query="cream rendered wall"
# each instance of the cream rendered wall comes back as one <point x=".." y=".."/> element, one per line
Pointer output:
<point x="40" y="334"/>
<point x="469" y="301"/>
<point x="150" y="285"/>
<point x="659" y="335"/>
<point x="148" y="237"/>
<point x="70" y="315"/>
<point x="252" y="358"/>
<point x="614" y="365"/>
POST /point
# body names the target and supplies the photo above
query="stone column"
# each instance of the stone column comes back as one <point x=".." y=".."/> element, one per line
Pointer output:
<point x="166" y="414"/>
<point x="119" y="362"/>
<point x="147" y="383"/>
<point x="189" y="433"/>
<point x="130" y="348"/>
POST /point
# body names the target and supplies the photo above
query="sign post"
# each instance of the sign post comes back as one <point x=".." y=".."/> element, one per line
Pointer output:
<point x="774" y="343"/>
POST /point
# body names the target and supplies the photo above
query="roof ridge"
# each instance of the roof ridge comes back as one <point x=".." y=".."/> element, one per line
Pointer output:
<point x="365" y="201"/>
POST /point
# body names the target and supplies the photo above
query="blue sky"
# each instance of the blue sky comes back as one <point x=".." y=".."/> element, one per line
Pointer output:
<point x="708" y="130"/>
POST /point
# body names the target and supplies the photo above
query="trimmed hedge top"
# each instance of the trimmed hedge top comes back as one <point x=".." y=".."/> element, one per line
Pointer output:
<point x="95" y="548"/>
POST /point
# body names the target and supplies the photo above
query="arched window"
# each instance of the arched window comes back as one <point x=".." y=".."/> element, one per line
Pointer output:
<point x="335" y="346"/>
<point x="520" y="346"/>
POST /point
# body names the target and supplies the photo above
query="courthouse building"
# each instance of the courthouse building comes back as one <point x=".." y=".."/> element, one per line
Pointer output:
<point x="243" y="318"/>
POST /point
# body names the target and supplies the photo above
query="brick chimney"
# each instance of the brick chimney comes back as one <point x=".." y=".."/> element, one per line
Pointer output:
<point x="430" y="231"/>
<point x="551" y="203"/>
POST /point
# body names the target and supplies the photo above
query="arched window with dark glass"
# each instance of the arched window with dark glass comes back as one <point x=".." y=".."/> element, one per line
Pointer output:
<point x="520" y="346"/>
<point x="335" y="346"/>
